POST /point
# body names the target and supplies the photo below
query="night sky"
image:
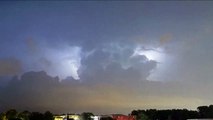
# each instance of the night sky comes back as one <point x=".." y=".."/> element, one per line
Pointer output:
<point x="105" y="57"/>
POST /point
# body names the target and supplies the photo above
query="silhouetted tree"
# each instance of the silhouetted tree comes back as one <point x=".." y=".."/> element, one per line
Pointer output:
<point x="163" y="114"/>
<point x="174" y="114"/>
<point x="134" y="112"/>
<point x="48" y="115"/>
<point x="142" y="116"/>
<point x="87" y="115"/>
<point x="11" y="114"/>
<point x="24" y="115"/>
<point x="36" y="116"/>
<point x="151" y="113"/>
<point x="210" y="111"/>
<point x="203" y="110"/>
<point x="193" y="114"/>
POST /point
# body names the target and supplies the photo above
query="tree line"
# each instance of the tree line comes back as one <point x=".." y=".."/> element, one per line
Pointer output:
<point x="174" y="114"/>
<point x="12" y="114"/>
<point x="149" y="114"/>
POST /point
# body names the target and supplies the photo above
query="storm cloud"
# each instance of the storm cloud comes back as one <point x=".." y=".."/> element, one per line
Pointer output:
<point x="105" y="57"/>
<point x="38" y="91"/>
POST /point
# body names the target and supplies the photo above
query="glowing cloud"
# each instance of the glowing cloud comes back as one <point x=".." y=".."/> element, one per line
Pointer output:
<point x="65" y="62"/>
<point x="151" y="54"/>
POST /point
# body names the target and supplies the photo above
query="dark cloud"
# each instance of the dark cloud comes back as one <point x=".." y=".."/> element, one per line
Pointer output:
<point x="37" y="91"/>
<point x="29" y="91"/>
<point x="10" y="66"/>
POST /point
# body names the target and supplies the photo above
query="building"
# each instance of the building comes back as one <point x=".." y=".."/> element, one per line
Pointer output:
<point x="122" y="117"/>
<point x="96" y="117"/>
<point x="68" y="117"/>
<point x="74" y="116"/>
<point x="60" y="117"/>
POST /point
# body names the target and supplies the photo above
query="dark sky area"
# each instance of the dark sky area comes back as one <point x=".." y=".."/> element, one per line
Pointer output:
<point x="105" y="57"/>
